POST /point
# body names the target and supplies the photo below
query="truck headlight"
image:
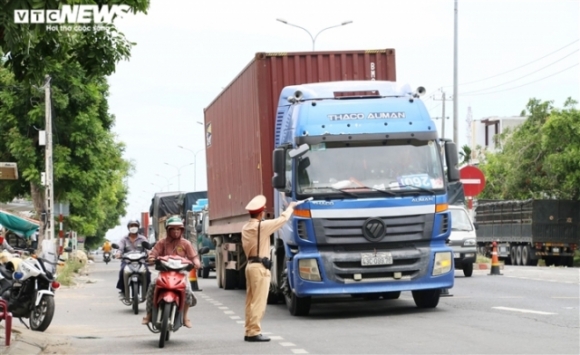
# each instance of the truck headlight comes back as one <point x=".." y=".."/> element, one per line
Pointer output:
<point x="309" y="269"/>
<point x="469" y="242"/>
<point x="443" y="263"/>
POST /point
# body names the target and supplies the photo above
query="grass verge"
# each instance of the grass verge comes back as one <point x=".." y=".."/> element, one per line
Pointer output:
<point x="68" y="272"/>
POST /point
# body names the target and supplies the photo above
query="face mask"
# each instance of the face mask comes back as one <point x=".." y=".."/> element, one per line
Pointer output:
<point x="133" y="230"/>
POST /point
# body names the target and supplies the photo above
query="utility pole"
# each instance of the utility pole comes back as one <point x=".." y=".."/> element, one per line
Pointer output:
<point x="49" y="227"/>
<point x="443" y="117"/>
<point x="455" y="93"/>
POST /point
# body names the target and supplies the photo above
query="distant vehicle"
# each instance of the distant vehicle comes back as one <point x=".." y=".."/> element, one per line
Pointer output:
<point x="462" y="239"/>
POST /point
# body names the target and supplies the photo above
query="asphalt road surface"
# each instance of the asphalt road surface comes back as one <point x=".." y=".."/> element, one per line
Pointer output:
<point x="527" y="310"/>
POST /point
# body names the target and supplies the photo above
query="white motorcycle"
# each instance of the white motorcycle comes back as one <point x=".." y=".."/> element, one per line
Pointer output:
<point x="28" y="287"/>
<point x="135" y="276"/>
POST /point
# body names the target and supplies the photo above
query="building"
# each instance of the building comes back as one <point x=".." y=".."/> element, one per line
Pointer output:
<point x="483" y="132"/>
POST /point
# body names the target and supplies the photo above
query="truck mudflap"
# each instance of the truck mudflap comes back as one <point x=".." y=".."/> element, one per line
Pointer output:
<point x="410" y="270"/>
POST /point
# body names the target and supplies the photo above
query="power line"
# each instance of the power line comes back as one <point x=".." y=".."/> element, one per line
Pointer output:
<point x="521" y="66"/>
<point x="531" y="82"/>
<point x="521" y="77"/>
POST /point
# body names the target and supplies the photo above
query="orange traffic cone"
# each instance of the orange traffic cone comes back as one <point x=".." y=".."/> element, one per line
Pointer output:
<point x="494" y="261"/>
<point x="193" y="280"/>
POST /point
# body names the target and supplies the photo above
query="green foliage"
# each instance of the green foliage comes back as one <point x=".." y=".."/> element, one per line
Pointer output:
<point x="89" y="170"/>
<point x="539" y="159"/>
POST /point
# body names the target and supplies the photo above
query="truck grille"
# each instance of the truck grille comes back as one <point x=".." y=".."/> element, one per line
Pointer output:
<point x="399" y="229"/>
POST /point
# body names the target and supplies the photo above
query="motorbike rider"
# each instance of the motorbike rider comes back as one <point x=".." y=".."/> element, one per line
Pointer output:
<point x="107" y="247"/>
<point x="173" y="244"/>
<point x="131" y="242"/>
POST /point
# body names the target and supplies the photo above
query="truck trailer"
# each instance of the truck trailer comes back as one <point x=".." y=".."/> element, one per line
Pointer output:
<point x="528" y="230"/>
<point x="334" y="126"/>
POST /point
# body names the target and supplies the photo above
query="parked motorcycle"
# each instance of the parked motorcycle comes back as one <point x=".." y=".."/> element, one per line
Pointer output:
<point x="135" y="276"/>
<point x="28" y="287"/>
<point x="169" y="297"/>
<point x="106" y="257"/>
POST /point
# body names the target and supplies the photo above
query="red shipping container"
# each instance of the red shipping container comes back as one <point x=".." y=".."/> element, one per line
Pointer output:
<point x="240" y="123"/>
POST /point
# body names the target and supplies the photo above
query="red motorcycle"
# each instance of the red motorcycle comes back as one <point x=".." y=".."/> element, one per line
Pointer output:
<point x="169" y="297"/>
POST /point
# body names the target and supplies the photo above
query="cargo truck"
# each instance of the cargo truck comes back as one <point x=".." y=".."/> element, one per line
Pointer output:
<point x="333" y="126"/>
<point x="528" y="230"/>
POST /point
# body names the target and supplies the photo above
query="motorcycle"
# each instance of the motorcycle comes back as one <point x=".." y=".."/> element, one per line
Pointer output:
<point x="135" y="276"/>
<point x="169" y="297"/>
<point x="106" y="257"/>
<point x="28" y="288"/>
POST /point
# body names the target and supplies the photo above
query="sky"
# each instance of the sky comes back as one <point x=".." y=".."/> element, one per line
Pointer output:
<point x="186" y="51"/>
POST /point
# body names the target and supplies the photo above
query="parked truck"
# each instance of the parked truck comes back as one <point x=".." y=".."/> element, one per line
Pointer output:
<point x="528" y="230"/>
<point x="334" y="126"/>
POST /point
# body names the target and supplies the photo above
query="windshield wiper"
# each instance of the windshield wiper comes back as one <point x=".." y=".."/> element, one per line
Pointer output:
<point x="424" y="189"/>
<point x="330" y="188"/>
<point x="386" y="192"/>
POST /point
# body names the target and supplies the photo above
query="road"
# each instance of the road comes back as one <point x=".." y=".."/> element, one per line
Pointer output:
<point x="527" y="310"/>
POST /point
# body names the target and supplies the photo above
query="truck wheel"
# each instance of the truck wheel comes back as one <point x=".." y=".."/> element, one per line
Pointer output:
<point x="519" y="255"/>
<point x="568" y="261"/>
<point x="297" y="306"/>
<point x="468" y="269"/>
<point x="527" y="255"/>
<point x="513" y="255"/>
<point x="426" y="298"/>
<point x="231" y="279"/>
<point x="242" y="279"/>
<point x="219" y="271"/>
<point x="205" y="272"/>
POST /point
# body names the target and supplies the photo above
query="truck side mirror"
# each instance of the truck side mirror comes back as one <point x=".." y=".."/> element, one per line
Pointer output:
<point x="279" y="164"/>
<point x="452" y="160"/>
<point x="476" y="225"/>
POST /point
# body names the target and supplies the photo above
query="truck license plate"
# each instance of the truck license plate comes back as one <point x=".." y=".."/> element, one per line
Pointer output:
<point x="555" y="250"/>
<point x="370" y="259"/>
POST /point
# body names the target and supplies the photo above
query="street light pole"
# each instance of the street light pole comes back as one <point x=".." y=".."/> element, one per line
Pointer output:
<point x="194" y="164"/>
<point x="178" y="174"/>
<point x="313" y="38"/>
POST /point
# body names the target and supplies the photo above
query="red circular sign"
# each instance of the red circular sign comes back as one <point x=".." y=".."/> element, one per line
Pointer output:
<point x="473" y="180"/>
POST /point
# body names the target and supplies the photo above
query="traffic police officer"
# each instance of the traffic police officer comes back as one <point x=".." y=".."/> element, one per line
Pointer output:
<point x="257" y="269"/>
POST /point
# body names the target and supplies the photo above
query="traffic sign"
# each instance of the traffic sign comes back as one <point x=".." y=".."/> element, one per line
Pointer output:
<point x="473" y="180"/>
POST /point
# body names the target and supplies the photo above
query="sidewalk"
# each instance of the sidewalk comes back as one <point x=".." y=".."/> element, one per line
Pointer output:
<point x="28" y="342"/>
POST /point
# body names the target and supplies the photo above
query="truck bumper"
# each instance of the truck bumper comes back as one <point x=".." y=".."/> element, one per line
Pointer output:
<point x="342" y="273"/>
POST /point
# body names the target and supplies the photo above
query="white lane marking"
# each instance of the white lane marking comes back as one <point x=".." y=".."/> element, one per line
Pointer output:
<point x="241" y="322"/>
<point x="287" y="344"/>
<point x="209" y="299"/>
<point x="235" y="317"/>
<point x="566" y="298"/>
<point x="223" y="307"/>
<point x="510" y="297"/>
<point x="522" y="310"/>
<point x="266" y="333"/>
<point x="229" y="312"/>
<point x="217" y="304"/>
<point x="276" y="337"/>
<point x="299" y="351"/>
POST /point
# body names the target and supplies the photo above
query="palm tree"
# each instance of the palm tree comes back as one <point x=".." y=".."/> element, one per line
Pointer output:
<point x="465" y="155"/>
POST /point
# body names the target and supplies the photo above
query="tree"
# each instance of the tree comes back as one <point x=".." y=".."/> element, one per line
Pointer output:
<point x="89" y="170"/>
<point x="540" y="158"/>
<point x="465" y="155"/>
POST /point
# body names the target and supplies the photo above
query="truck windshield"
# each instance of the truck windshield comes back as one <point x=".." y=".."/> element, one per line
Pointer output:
<point x="365" y="167"/>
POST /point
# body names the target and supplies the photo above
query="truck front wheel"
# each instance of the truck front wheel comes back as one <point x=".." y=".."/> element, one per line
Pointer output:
<point x="426" y="298"/>
<point x="297" y="306"/>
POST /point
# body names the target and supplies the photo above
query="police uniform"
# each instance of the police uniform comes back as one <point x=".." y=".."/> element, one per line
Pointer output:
<point x="257" y="275"/>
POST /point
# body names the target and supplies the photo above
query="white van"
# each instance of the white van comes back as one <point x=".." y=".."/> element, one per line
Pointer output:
<point x="462" y="239"/>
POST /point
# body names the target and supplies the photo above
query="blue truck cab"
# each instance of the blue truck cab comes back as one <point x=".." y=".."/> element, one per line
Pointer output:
<point x="368" y="154"/>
